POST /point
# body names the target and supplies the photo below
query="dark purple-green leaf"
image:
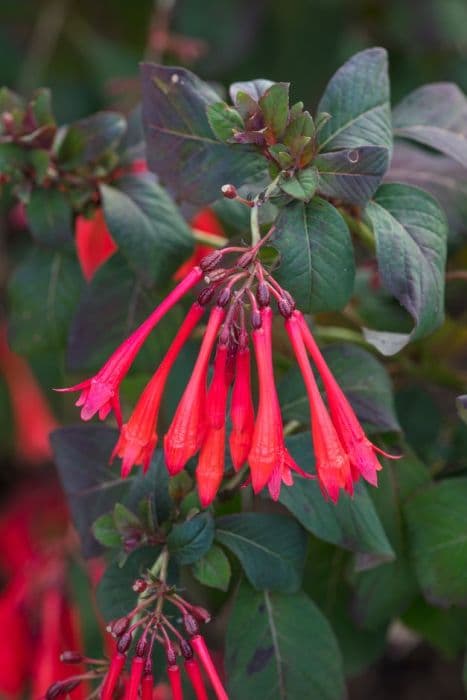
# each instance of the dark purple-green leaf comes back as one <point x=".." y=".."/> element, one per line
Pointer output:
<point x="411" y="233"/>
<point x="50" y="218"/>
<point x="436" y="116"/>
<point x="181" y="148"/>
<point x="352" y="175"/>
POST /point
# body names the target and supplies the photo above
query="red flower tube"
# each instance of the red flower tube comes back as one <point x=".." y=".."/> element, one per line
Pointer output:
<point x="188" y="427"/>
<point x="175" y="680"/>
<point x="194" y="674"/>
<point x="136" y="673"/>
<point x="199" y="645"/>
<point x="138" y="437"/>
<point x="117" y="664"/>
<point x="242" y="412"/>
<point x="94" y="244"/>
<point x="360" y="450"/>
<point x="210" y="469"/>
<point x="147" y="685"/>
<point x="100" y="394"/>
<point x="332" y="462"/>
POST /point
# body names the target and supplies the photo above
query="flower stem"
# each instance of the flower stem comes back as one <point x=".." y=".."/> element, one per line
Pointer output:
<point x="360" y="229"/>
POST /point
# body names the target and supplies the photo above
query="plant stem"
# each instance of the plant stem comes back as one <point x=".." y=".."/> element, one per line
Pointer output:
<point x="360" y="229"/>
<point x="209" y="239"/>
<point x="254" y="223"/>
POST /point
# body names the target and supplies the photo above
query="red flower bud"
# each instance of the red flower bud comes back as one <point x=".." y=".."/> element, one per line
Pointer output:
<point x="124" y="642"/>
<point x="71" y="657"/>
<point x="210" y="261"/>
<point x="229" y="191"/>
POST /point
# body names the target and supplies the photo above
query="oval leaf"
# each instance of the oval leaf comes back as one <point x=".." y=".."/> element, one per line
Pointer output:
<point x="352" y="175"/>
<point x="190" y="540"/>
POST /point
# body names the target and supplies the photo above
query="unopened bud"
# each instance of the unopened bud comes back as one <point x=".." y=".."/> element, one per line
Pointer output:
<point x="289" y="298"/>
<point x="54" y="691"/>
<point x="256" y="320"/>
<point x="118" y="627"/>
<point x="215" y="275"/>
<point x="148" y="667"/>
<point x="71" y="657"/>
<point x="224" y="297"/>
<point x="190" y="624"/>
<point x="139" y="585"/>
<point x="187" y="651"/>
<point x="200" y="613"/>
<point x="229" y="191"/>
<point x="263" y="295"/>
<point x="141" y="647"/>
<point x="205" y="295"/>
<point x="170" y="655"/>
<point x="210" y="261"/>
<point x="246" y="259"/>
<point x="285" y="309"/>
<point x="130" y="542"/>
<point x="124" y="642"/>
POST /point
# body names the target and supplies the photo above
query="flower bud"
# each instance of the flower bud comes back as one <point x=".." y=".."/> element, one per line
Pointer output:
<point x="247" y="258"/>
<point x="139" y="585"/>
<point x="224" y="297"/>
<point x="124" y="642"/>
<point x="256" y="321"/>
<point x="141" y="647"/>
<point x="216" y="275"/>
<point x="285" y="309"/>
<point x="187" y="651"/>
<point x="170" y="654"/>
<point x="262" y="294"/>
<point x="210" y="261"/>
<point x="118" y="627"/>
<point x="229" y="191"/>
<point x="71" y="657"/>
<point x="289" y="298"/>
<point x="190" y="624"/>
<point x="200" y="613"/>
<point x="205" y="295"/>
<point x="54" y="691"/>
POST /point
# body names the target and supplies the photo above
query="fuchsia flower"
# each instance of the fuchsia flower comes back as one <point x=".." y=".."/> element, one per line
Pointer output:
<point x="100" y="394"/>
<point x="332" y="462"/>
<point x="187" y="430"/>
<point x="342" y="451"/>
<point x="138" y="437"/>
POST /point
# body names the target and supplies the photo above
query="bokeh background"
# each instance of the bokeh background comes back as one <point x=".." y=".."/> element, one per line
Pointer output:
<point x="87" y="52"/>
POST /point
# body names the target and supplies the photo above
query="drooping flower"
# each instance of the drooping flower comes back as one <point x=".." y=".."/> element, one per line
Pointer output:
<point x="187" y="430"/>
<point x="242" y="413"/>
<point x="33" y="419"/>
<point x="100" y="394"/>
<point x="332" y="462"/>
<point x="138" y="437"/>
<point x="270" y="461"/>
<point x="210" y="469"/>
<point x="360" y="450"/>
<point x="94" y="244"/>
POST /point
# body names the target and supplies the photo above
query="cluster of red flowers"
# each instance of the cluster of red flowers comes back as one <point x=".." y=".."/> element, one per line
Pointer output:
<point x="37" y="617"/>
<point x="134" y="637"/>
<point x="242" y="295"/>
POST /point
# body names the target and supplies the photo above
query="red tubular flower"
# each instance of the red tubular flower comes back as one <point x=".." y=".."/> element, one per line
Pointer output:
<point x="138" y="437"/>
<point x="100" y="394"/>
<point x="94" y="244"/>
<point x="117" y="664"/>
<point x="242" y="412"/>
<point x="199" y="645"/>
<point x="360" y="450"/>
<point x="194" y="674"/>
<point x="175" y="680"/>
<point x="147" y="685"/>
<point x="187" y="430"/>
<point x="136" y="673"/>
<point x="33" y="418"/>
<point x="332" y="462"/>
<point x="210" y="467"/>
<point x="15" y="653"/>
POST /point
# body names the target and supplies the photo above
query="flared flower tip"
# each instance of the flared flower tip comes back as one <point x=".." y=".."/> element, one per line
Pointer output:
<point x="210" y="469"/>
<point x="96" y="398"/>
<point x="133" y="451"/>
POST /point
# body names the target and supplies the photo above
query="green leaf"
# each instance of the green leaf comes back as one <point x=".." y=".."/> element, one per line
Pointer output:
<point x="124" y="519"/>
<point x="271" y="548"/>
<point x="411" y="232"/>
<point x="190" y="540"/>
<point x="147" y="227"/>
<point x="50" y="218"/>
<point x="302" y="185"/>
<point x="357" y="98"/>
<point x="352" y="175"/>
<point x="352" y="523"/>
<point x="317" y="264"/>
<point x="435" y="115"/>
<point x="105" y="532"/>
<point x="387" y="591"/>
<point x="213" y="569"/>
<point x="274" y="105"/>
<point x="180" y="146"/>
<point x="44" y="292"/>
<point x="363" y="379"/>
<point x="89" y="139"/>
<point x="300" y="126"/>
<point x="223" y="120"/>
<point x="281" y="647"/>
<point x="41" y="107"/>
<point x="446" y="630"/>
<point x="437" y="522"/>
<point x="115" y="595"/>
<point x="13" y="158"/>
